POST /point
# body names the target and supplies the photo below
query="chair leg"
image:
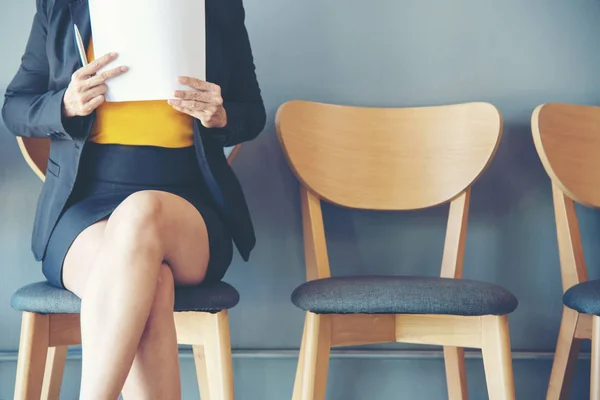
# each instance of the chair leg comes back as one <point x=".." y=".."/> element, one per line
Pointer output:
<point x="567" y="350"/>
<point x="297" y="391"/>
<point x="456" y="374"/>
<point x="497" y="359"/>
<point x="311" y="375"/>
<point x="55" y="366"/>
<point x="33" y="348"/>
<point x="213" y="359"/>
<point x="595" y="367"/>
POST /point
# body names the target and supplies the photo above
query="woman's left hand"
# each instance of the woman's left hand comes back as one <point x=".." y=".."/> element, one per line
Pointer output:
<point x="204" y="103"/>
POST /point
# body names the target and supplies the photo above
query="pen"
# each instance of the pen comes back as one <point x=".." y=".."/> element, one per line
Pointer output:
<point x="80" y="46"/>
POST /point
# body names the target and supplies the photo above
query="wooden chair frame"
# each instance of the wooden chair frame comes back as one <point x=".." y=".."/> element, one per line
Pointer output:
<point x="578" y="125"/>
<point x="324" y="331"/>
<point x="45" y="338"/>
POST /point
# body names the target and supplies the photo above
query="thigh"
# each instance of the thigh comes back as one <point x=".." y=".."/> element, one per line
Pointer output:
<point x="79" y="260"/>
<point x="185" y="238"/>
<point x="174" y="222"/>
<point x="182" y="232"/>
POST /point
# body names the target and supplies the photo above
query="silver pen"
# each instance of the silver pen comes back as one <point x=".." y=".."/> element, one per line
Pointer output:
<point x="80" y="46"/>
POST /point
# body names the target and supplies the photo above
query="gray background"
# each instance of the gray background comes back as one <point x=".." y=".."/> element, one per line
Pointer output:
<point x="513" y="53"/>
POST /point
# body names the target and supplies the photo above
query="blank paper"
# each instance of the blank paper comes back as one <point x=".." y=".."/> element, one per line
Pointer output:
<point x="158" y="40"/>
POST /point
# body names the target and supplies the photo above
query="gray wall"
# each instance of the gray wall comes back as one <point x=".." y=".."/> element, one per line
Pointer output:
<point x="515" y="54"/>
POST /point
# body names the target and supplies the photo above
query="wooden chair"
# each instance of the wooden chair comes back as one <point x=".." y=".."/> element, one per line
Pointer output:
<point x="50" y="323"/>
<point x="395" y="159"/>
<point x="567" y="138"/>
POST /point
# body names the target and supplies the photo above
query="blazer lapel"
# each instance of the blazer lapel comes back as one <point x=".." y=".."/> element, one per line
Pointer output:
<point x="80" y="16"/>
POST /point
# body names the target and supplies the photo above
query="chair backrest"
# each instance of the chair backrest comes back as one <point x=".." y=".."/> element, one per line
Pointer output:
<point x="567" y="139"/>
<point x="36" y="152"/>
<point x="387" y="159"/>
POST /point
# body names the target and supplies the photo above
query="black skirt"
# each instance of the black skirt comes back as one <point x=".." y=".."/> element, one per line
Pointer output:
<point x="109" y="173"/>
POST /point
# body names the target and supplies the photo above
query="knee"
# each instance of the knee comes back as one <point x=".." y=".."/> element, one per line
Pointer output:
<point x="137" y="220"/>
<point x="164" y="296"/>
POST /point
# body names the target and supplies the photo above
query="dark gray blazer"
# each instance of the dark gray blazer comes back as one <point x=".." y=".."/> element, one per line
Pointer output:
<point x="33" y="108"/>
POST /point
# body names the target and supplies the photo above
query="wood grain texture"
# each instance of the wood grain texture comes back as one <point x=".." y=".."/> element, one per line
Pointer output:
<point x="456" y="236"/>
<point x="388" y="158"/>
<point x="444" y="330"/>
<point x="567" y="350"/>
<point x="192" y="327"/>
<point x="315" y="245"/>
<point x="311" y="375"/>
<point x="595" y="360"/>
<point x="497" y="361"/>
<point x="567" y="139"/>
<point x="55" y="366"/>
<point x="65" y="329"/>
<point x="584" y="326"/>
<point x="36" y="152"/>
<point x="456" y="373"/>
<point x="357" y="329"/>
<point x="212" y="357"/>
<point x="33" y="348"/>
<point x="570" y="249"/>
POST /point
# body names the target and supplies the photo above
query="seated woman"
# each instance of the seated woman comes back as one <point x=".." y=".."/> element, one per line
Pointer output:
<point x="139" y="196"/>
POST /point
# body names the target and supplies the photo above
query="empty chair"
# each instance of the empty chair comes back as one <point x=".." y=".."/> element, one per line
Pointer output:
<point x="50" y="323"/>
<point x="395" y="159"/>
<point x="567" y="139"/>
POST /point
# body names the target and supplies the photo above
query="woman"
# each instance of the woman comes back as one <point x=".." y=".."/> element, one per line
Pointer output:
<point x="139" y="196"/>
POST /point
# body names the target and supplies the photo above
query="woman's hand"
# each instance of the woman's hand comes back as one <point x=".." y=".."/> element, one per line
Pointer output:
<point x="205" y="103"/>
<point x="86" y="89"/>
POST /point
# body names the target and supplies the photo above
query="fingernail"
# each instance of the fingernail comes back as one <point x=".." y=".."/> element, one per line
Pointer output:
<point x="173" y="102"/>
<point x="178" y="93"/>
<point x="181" y="79"/>
<point x="113" y="54"/>
<point x="124" y="69"/>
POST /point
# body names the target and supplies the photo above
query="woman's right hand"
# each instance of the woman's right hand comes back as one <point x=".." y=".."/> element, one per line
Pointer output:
<point x="86" y="89"/>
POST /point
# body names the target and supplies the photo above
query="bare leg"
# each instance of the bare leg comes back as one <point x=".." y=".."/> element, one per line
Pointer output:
<point x="126" y="292"/>
<point x="155" y="370"/>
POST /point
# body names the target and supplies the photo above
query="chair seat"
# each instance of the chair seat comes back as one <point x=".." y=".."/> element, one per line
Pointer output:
<point x="403" y="295"/>
<point x="43" y="298"/>
<point x="584" y="297"/>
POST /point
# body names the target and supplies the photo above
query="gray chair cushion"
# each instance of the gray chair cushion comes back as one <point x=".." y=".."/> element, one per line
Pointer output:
<point x="42" y="298"/>
<point x="403" y="295"/>
<point x="584" y="298"/>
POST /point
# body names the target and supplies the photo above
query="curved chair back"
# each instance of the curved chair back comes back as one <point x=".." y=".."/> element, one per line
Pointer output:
<point x="567" y="139"/>
<point x="37" y="151"/>
<point x="387" y="159"/>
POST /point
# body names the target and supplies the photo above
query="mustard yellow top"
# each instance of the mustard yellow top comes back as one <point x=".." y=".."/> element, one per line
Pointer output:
<point x="141" y="123"/>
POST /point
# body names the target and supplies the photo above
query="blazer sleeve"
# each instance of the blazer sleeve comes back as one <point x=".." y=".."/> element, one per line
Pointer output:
<point x="246" y="116"/>
<point x="30" y="109"/>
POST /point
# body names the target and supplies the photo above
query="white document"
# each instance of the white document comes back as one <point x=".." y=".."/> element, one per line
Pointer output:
<point x="158" y="40"/>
